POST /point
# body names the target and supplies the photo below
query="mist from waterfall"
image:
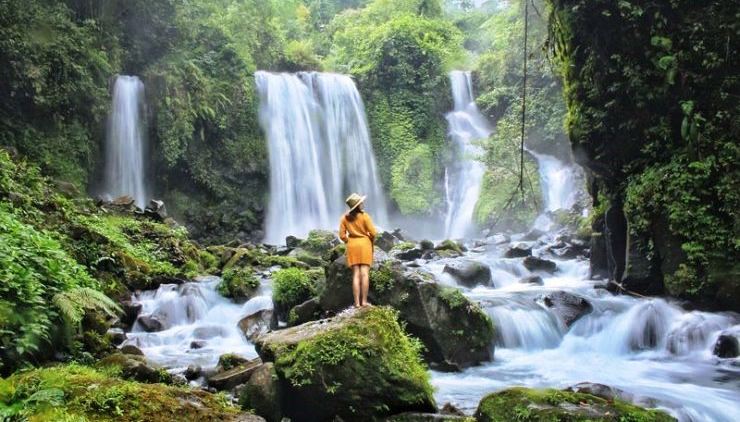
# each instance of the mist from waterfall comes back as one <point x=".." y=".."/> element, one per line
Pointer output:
<point x="320" y="151"/>
<point x="125" y="169"/>
<point x="464" y="174"/>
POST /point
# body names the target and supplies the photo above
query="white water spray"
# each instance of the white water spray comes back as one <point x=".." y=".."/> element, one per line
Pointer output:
<point x="124" y="148"/>
<point x="464" y="175"/>
<point x="320" y="151"/>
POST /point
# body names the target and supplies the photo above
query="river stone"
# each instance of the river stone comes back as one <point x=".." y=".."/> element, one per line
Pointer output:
<point x="426" y="244"/>
<point x="376" y="372"/>
<point x="292" y="241"/>
<point x="262" y="393"/>
<point x="256" y="323"/>
<point x="386" y="241"/>
<point x="227" y="380"/>
<point x="229" y="361"/>
<point x="131" y="311"/>
<point x="533" y="263"/>
<point x="498" y="239"/>
<point x="136" y="368"/>
<point x="403" y="235"/>
<point x="469" y="273"/>
<point x="150" y="324"/>
<point x="192" y="372"/>
<point x="727" y="346"/>
<point x="567" y="306"/>
<point x="307" y="311"/>
<point x="600" y="390"/>
<point x="156" y="210"/>
<point x="534" y="234"/>
<point x="130" y="349"/>
<point x="532" y="279"/>
<point x="456" y="335"/>
<point x="518" y="251"/>
<point x="116" y="336"/>
<point x="408" y="254"/>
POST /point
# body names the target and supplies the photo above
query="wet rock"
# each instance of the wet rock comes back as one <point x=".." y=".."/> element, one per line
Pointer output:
<point x="533" y="263"/>
<point x="426" y="244"/>
<point x="534" y="234"/>
<point x="193" y="372"/>
<point x="116" y="335"/>
<point x="198" y="344"/>
<point x="600" y="390"/>
<point x="306" y="257"/>
<point x="230" y="360"/>
<point x="408" y="254"/>
<point x="240" y="374"/>
<point x="386" y="241"/>
<point x="518" y="251"/>
<point x="256" y="324"/>
<point x="307" y="311"/>
<point x="130" y="349"/>
<point x="426" y="417"/>
<point x="451" y="409"/>
<point x="403" y="236"/>
<point x="450" y="245"/>
<point x="131" y="311"/>
<point x="262" y="393"/>
<point x="498" y="239"/>
<point x="469" y="273"/>
<point x="447" y="253"/>
<point x="429" y="255"/>
<point x="532" y="279"/>
<point x="292" y="241"/>
<point x="150" y="324"/>
<point x="137" y="368"/>
<point x="156" y="210"/>
<point x="456" y="332"/>
<point x="727" y="346"/>
<point x="567" y="306"/>
<point x="320" y="241"/>
<point x="382" y="360"/>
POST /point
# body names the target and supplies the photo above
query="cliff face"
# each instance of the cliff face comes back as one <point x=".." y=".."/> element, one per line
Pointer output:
<point x="651" y="90"/>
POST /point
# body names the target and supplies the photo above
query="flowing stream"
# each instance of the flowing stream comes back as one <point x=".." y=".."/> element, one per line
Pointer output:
<point x="320" y="151"/>
<point x="125" y="142"/>
<point x="464" y="174"/>
<point x="652" y="349"/>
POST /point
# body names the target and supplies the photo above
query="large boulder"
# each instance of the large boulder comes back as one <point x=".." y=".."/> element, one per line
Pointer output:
<point x="567" y="306"/>
<point x="256" y="324"/>
<point x="520" y="250"/>
<point x="358" y="365"/>
<point x="319" y="241"/>
<point x="456" y="332"/>
<point x="557" y="405"/>
<point x="136" y="367"/>
<point x="386" y="241"/>
<point x="238" y="375"/>
<point x="150" y="323"/>
<point x="262" y="393"/>
<point x="307" y="311"/>
<point x="533" y="263"/>
<point x="469" y="273"/>
<point x="727" y="346"/>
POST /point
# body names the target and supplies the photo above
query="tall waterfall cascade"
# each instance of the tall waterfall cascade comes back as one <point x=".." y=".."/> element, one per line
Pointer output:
<point x="320" y="151"/>
<point x="464" y="175"/>
<point x="125" y="169"/>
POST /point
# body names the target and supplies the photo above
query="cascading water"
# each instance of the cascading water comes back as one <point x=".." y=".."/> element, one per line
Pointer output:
<point x="124" y="149"/>
<point x="464" y="175"/>
<point x="558" y="181"/>
<point x="320" y="151"/>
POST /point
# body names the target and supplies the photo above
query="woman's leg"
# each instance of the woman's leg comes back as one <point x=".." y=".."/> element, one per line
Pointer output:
<point x="365" y="274"/>
<point x="356" y="280"/>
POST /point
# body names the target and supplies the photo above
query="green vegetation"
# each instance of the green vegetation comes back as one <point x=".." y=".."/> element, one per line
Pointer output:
<point x="78" y="393"/>
<point x="523" y="404"/>
<point x="239" y="283"/>
<point x="369" y="356"/>
<point x="453" y="297"/>
<point x="291" y="287"/>
<point x="383" y="278"/>
<point x="652" y="116"/>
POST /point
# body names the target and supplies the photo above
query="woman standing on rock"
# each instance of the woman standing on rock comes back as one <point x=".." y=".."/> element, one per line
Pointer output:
<point x="356" y="229"/>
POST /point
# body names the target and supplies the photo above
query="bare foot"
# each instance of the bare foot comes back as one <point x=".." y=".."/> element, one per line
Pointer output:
<point x="366" y="304"/>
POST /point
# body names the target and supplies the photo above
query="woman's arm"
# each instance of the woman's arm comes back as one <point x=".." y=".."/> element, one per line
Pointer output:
<point x="343" y="230"/>
<point x="370" y="227"/>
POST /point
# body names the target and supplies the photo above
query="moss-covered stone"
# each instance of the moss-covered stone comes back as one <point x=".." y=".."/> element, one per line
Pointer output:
<point x="291" y="287"/>
<point x="239" y="283"/>
<point x="523" y="404"/>
<point x="319" y="241"/>
<point x="79" y="393"/>
<point x="449" y="245"/>
<point x="359" y="365"/>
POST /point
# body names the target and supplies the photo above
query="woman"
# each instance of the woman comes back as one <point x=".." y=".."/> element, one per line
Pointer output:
<point x="356" y="229"/>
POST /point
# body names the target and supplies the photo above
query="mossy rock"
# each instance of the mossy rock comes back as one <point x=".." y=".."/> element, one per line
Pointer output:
<point x="78" y="393"/>
<point x="449" y="245"/>
<point x="523" y="404"/>
<point x="456" y="332"/>
<point x="359" y="365"/>
<point x="293" y="286"/>
<point x="239" y="283"/>
<point x="319" y="241"/>
<point x="309" y="258"/>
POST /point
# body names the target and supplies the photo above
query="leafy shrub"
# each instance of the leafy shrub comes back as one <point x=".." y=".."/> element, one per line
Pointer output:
<point x="238" y="283"/>
<point x="292" y="286"/>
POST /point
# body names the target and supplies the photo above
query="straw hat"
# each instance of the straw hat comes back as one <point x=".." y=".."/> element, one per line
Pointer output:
<point x="354" y="200"/>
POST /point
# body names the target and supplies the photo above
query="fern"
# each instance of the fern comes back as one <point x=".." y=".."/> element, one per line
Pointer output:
<point x="72" y="304"/>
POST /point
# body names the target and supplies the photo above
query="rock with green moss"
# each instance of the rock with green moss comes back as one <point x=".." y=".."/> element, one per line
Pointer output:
<point x="309" y="258"/>
<point x="79" y="393"/>
<point x="359" y="365"/>
<point x="523" y="404"/>
<point x="262" y="393"/>
<point x="291" y="287"/>
<point x="238" y="283"/>
<point x="456" y="332"/>
<point x="319" y="241"/>
<point x="428" y="417"/>
<point x="450" y="245"/>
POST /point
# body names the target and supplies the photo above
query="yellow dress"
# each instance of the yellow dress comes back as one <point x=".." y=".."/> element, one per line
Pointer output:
<point x="359" y="235"/>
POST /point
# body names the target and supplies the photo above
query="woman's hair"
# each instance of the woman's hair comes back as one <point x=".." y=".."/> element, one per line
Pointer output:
<point x="353" y="214"/>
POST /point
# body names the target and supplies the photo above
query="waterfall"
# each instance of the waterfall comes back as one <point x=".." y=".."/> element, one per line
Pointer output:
<point x="124" y="148"/>
<point x="464" y="174"/>
<point x="320" y="151"/>
<point x="558" y="182"/>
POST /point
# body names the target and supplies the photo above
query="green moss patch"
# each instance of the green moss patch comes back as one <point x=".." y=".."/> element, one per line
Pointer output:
<point x="239" y="283"/>
<point x="523" y="404"/>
